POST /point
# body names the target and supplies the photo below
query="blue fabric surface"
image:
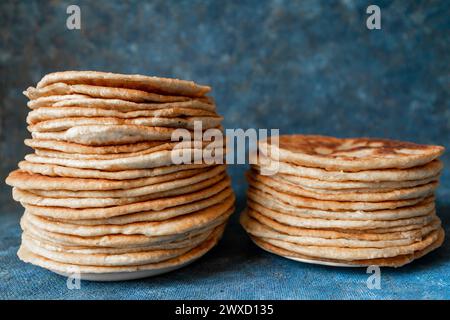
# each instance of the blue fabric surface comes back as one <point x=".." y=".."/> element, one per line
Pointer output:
<point x="301" y="66"/>
<point x="235" y="269"/>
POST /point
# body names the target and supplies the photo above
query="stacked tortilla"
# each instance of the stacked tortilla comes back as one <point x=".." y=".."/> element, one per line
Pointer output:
<point x="102" y="194"/>
<point x="345" y="202"/>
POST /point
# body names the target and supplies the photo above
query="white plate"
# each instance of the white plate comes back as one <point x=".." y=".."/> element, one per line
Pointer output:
<point x="123" y="276"/>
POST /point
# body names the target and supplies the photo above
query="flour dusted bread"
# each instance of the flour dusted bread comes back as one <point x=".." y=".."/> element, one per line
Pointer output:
<point x="102" y="192"/>
<point x="351" y="154"/>
<point x="133" y="81"/>
<point x="344" y="202"/>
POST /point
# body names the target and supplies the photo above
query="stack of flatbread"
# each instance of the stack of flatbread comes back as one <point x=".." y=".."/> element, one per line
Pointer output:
<point x="101" y="192"/>
<point x="345" y="202"/>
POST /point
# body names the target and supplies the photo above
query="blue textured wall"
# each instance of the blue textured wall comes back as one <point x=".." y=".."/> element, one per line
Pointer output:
<point x="301" y="66"/>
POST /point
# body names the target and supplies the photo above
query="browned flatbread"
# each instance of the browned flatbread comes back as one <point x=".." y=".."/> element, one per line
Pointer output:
<point x="397" y="261"/>
<point x="70" y="147"/>
<point x="140" y="82"/>
<point x="30" y="257"/>
<point x="350" y="154"/>
<point x="63" y="171"/>
<point x="84" y="101"/>
<point x="277" y="183"/>
<point x="29" y="181"/>
<point x="51" y="113"/>
<point x="299" y="201"/>
<point x="412" y="231"/>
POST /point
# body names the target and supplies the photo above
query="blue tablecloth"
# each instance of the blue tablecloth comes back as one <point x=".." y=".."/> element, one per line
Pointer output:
<point x="235" y="269"/>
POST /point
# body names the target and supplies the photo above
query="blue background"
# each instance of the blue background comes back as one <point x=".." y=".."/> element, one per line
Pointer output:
<point x="300" y="66"/>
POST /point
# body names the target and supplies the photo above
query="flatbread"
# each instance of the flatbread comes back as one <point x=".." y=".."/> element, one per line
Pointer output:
<point x="315" y="223"/>
<point x="299" y="201"/>
<point x="116" y="241"/>
<point x="157" y="147"/>
<point x="133" y="81"/>
<point x="57" y="89"/>
<point x="215" y="214"/>
<point x="417" y="210"/>
<point x="52" y="113"/>
<point x="207" y="176"/>
<point x="397" y="261"/>
<point x="81" y="156"/>
<point x="415" y="232"/>
<point x="80" y="101"/>
<point x="56" y="125"/>
<point x="354" y="186"/>
<point x="259" y="230"/>
<point x="27" y="256"/>
<point x="351" y="254"/>
<point x="398" y="194"/>
<point x="29" y="181"/>
<point x="147" y="161"/>
<point x="51" y="100"/>
<point x="165" y="214"/>
<point x="108" y="212"/>
<point x="52" y="246"/>
<point x="108" y="134"/>
<point x="349" y="154"/>
<point x="70" y="147"/>
<point x="102" y="259"/>
<point x="61" y="171"/>
<point x="428" y="170"/>
<point x="29" y="198"/>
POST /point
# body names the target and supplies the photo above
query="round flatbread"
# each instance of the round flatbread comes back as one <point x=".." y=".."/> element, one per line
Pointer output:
<point x="259" y="230"/>
<point x="83" y="101"/>
<point x="413" y="231"/>
<point x="426" y="171"/>
<point x="116" y="241"/>
<point x="30" y="257"/>
<point x="133" y="81"/>
<point x="349" y="154"/>
<point x="215" y="174"/>
<point x="397" y="261"/>
<point x="216" y="214"/>
<point x="107" y="134"/>
<point x="281" y="185"/>
<point x="54" y="113"/>
<point x="353" y="186"/>
<point x="29" y="181"/>
<point x="147" y="161"/>
<point x="352" y="254"/>
<point x="56" y="125"/>
<point x="300" y="201"/>
<point x="315" y="223"/>
<point x="103" y="259"/>
<point x="420" y="209"/>
<point x="29" y="198"/>
<point x="108" y="212"/>
<point x="62" y="171"/>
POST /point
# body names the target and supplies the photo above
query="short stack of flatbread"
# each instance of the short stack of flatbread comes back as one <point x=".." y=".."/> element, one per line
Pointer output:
<point x="344" y="202"/>
<point x="101" y="191"/>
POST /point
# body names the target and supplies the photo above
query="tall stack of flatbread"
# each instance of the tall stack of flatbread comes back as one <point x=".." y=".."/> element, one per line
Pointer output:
<point x="344" y="202"/>
<point x="102" y="193"/>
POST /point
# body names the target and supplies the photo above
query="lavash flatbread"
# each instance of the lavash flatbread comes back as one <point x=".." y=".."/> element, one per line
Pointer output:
<point x="349" y="154"/>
